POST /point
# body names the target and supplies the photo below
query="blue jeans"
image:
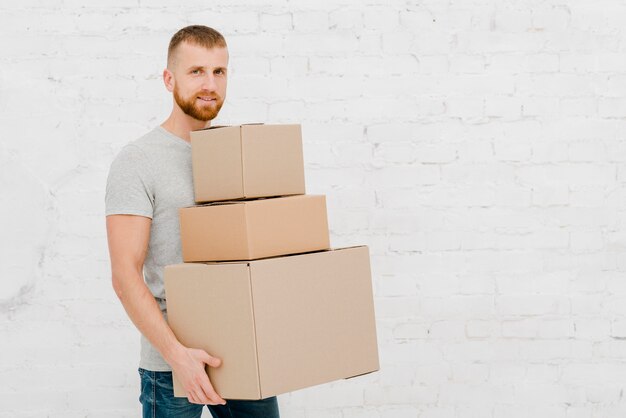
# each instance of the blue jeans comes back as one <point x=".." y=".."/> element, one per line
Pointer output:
<point x="158" y="401"/>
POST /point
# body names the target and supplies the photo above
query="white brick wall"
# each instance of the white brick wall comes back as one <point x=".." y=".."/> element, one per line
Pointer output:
<point x="477" y="147"/>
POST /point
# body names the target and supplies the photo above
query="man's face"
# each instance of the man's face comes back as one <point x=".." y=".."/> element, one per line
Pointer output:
<point x="200" y="80"/>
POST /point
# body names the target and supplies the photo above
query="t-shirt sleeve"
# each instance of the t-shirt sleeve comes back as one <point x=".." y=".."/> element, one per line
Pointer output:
<point x="129" y="189"/>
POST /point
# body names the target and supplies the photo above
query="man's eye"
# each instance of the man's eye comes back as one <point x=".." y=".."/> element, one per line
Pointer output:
<point x="195" y="71"/>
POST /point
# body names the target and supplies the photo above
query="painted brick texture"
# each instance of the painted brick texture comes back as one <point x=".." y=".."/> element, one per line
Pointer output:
<point x="478" y="147"/>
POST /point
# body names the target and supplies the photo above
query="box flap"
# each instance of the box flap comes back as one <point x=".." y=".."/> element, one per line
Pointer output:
<point x="198" y="232"/>
<point x="295" y="223"/>
<point x="227" y="126"/>
<point x="221" y="202"/>
<point x="210" y="307"/>
<point x="336" y="285"/>
<point x="238" y="201"/>
<point x="264" y="169"/>
<point x="223" y="177"/>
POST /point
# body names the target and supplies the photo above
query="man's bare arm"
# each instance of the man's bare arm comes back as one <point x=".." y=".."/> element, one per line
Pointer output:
<point x="128" y="237"/>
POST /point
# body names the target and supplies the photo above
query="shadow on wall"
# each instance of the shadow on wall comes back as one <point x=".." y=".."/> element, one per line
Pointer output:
<point x="24" y="237"/>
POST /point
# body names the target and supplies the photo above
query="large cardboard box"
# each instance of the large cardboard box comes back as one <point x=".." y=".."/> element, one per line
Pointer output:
<point x="247" y="161"/>
<point x="278" y="324"/>
<point x="249" y="229"/>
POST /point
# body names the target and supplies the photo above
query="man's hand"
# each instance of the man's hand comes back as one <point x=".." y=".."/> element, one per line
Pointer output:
<point x="189" y="366"/>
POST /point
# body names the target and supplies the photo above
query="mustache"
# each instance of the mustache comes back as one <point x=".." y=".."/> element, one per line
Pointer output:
<point x="205" y="93"/>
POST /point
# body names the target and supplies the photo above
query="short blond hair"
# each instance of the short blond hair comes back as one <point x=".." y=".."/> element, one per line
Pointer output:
<point x="197" y="35"/>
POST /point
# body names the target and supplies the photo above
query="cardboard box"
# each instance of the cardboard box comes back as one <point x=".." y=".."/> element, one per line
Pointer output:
<point x="247" y="161"/>
<point x="278" y="324"/>
<point x="250" y="229"/>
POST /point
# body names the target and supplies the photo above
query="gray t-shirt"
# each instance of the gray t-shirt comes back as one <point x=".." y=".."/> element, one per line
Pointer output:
<point x="151" y="177"/>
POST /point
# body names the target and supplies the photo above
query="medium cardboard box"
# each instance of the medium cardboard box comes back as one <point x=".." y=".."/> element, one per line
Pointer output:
<point x="278" y="324"/>
<point x="249" y="229"/>
<point x="247" y="161"/>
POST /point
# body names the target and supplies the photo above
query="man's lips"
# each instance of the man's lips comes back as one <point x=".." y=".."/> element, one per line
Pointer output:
<point x="207" y="99"/>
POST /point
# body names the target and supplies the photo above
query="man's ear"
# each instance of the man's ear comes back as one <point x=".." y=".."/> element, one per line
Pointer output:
<point x="168" y="80"/>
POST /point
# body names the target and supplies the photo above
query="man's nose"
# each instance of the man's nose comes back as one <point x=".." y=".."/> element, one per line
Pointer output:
<point x="208" y="83"/>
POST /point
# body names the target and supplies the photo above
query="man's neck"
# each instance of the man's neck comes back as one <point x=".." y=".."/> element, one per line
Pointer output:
<point x="182" y="125"/>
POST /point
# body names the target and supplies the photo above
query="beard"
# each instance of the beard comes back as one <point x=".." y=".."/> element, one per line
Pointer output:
<point x="197" y="109"/>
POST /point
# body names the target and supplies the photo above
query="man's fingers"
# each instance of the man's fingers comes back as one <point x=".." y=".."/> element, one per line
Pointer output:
<point x="210" y="360"/>
<point x="191" y="397"/>
<point x="200" y="390"/>
<point x="198" y="397"/>
<point x="210" y="393"/>
<point x="215" y="362"/>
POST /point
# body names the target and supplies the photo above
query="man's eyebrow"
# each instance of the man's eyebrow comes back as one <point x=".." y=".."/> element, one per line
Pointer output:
<point x="202" y="67"/>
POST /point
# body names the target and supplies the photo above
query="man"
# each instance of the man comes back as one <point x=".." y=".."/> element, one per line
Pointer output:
<point x="148" y="182"/>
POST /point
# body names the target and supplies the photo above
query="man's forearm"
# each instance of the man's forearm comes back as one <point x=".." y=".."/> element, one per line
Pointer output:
<point x="145" y="313"/>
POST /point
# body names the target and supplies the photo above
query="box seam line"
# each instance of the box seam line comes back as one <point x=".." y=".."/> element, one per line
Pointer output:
<point x="243" y="167"/>
<point x="247" y="229"/>
<point x="256" y="342"/>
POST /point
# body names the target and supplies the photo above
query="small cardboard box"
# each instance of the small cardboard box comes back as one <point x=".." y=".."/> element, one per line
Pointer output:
<point x="278" y="324"/>
<point x="250" y="229"/>
<point x="247" y="161"/>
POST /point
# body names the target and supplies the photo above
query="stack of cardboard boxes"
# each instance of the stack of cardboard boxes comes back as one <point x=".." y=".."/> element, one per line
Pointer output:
<point x="260" y="287"/>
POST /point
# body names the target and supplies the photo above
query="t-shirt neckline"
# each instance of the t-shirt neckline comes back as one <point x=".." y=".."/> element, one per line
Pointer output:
<point x="172" y="136"/>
